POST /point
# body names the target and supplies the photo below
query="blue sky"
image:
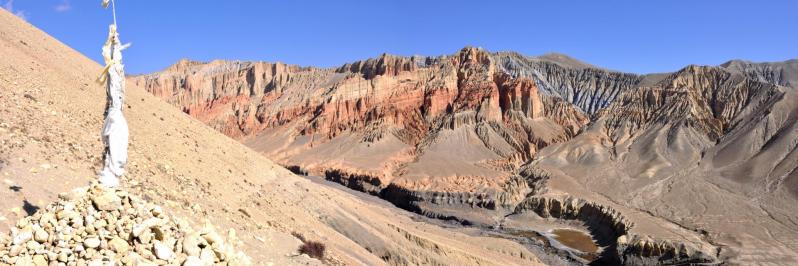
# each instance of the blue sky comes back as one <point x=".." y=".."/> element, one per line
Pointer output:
<point x="634" y="36"/>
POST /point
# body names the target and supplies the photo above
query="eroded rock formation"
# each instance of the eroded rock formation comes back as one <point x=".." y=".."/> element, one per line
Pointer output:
<point x="406" y="110"/>
<point x="589" y="88"/>
<point x="779" y="73"/>
<point x="691" y="149"/>
<point x="450" y="136"/>
<point x="706" y="99"/>
<point x="614" y="231"/>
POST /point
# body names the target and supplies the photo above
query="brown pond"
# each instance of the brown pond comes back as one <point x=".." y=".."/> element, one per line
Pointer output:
<point x="531" y="235"/>
<point x="577" y="240"/>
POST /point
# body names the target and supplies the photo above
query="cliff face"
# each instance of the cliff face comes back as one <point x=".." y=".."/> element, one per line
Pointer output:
<point x="587" y="87"/>
<point x="403" y="109"/>
<point x="609" y="225"/>
<point x="706" y="99"/>
<point x="779" y="73"/>
<point x="226" y="95"/>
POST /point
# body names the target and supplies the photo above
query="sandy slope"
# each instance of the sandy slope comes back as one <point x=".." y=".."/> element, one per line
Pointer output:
<point x="50" y="115"/>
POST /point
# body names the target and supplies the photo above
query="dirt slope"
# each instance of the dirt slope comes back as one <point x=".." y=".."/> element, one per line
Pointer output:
<point x="51" y="112"/>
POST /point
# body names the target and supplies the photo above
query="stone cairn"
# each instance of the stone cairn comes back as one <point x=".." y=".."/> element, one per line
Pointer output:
<point x="105" y="226"/>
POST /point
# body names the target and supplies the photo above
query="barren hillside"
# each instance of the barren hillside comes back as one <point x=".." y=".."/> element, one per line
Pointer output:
<point x="50" y="117"/>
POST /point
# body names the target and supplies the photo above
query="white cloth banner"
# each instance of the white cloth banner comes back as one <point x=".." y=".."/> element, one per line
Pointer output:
<point x="115" y="131"/>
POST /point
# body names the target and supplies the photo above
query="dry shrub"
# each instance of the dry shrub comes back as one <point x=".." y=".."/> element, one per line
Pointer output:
<point x="313" y="249"/>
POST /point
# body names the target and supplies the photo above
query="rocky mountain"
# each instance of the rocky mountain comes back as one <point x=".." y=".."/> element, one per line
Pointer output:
<point x="387" y="120"/>
<point x="780" y="73"/>
<point x="587" y="87"/>
<point x="694" y="166"/>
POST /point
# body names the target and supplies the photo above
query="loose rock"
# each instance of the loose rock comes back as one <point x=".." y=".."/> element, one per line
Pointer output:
<point x="162" y="251"/>
<point x="92" y="242"/>
<point x="97" y="226"/>
<point x="108" y="201"/>
<point x="39" y="260"/>
<point x="118" y="245"/>
<point x="193" y="261"/>
<point x="41" y="235"/>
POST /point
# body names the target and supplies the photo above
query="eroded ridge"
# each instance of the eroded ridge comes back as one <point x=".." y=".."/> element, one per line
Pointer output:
<point x="613" y="230"/>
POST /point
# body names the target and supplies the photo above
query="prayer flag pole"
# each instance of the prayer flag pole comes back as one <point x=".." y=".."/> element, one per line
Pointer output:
<point x="115" y="129"/>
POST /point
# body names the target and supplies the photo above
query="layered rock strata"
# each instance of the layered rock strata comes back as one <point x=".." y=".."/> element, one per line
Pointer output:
<point x="387" y="120"/>
<point x="705" y="99"/>
<point x="589" y="88"/>
<point x="779" y="73"/>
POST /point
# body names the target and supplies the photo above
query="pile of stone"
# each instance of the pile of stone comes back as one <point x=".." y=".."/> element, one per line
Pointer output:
<point x="100" y="226"/>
